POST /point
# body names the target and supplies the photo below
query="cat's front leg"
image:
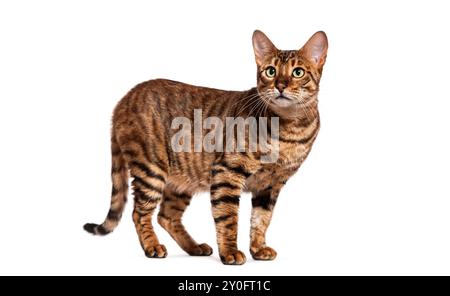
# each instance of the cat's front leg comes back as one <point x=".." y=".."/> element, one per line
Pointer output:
<point x="263" y="202"/>
<point x="226" y="186"/>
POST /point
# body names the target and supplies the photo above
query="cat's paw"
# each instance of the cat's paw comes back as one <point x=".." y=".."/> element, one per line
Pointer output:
<point x="201" y="250"/>
<point x="158" y="251"/>
<point x="233" y="258"/>
<point x="265" y="253"/>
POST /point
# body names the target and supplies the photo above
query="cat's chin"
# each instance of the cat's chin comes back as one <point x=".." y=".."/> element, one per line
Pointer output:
<point x="288" y="109"/>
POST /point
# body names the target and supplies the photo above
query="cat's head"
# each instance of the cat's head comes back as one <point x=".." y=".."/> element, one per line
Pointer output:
<point x="289" y="79"/>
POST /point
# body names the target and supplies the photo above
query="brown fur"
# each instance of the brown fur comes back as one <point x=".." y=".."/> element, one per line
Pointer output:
<point x="141" y="134"/>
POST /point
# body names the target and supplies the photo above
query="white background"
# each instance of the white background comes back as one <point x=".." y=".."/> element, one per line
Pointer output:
<point x="373" y="198"/>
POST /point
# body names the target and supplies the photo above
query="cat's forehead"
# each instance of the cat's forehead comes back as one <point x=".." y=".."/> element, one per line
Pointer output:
<point x="284" y="56"/>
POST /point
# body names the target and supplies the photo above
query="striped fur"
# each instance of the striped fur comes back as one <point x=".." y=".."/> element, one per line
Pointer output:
<point x="140" y="148"/>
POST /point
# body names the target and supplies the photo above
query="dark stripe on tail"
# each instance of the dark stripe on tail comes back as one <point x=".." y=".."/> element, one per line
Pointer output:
<point x="95" y="229"/>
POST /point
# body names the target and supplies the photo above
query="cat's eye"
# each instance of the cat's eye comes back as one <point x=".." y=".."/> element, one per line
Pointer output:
<point x="298" y="72"/>
<point x="270" y="72"/>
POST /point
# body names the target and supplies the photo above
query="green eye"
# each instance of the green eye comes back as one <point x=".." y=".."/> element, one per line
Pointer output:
<point x="270" y="72"/>
<point x="298" y="72"/>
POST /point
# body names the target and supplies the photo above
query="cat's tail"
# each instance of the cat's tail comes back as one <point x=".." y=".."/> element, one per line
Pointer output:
<point x="119" y="176"/>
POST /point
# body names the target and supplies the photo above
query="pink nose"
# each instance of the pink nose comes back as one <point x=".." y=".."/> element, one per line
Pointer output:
<point x="281" y="87"/>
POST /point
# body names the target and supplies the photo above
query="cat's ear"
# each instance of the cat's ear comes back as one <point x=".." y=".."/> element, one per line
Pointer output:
<point x="315" y="50"/>
<point x="262" y="46"/>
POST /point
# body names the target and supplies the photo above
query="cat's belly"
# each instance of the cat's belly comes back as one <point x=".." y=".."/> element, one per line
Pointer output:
<point x="190" y="172"/>
<point x="184" y="183"/>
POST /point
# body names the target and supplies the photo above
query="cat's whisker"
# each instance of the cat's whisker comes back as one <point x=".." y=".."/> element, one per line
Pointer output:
<point x="304" y="103"/>
<point x="265" y="97"/>
<point x="253" y="104"/>
<point x="247" y="104"/>
<point x="255" y="108"/>
<point x="240" y="100"/>
<point x="259" y="106"/>
<point x="263" y="107"/>
<point x="248" y="99"/>
<point x="268" y="100"/>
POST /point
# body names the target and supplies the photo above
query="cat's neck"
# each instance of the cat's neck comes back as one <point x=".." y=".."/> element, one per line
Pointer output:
<point x="303" y="115"/>
<point x="250" y="104"/>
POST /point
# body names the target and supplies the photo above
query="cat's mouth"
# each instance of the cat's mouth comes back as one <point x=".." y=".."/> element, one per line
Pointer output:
<point x="282" y="97"/>
<point x="283" y="101"/>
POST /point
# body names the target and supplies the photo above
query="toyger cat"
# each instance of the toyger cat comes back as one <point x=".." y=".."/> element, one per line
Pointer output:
<point x="287" y="87"/>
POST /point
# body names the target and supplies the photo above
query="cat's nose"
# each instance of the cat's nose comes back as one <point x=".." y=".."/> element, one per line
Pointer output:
<point x="281" y="86"/>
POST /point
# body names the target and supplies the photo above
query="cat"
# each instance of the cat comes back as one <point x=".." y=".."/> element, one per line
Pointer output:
<point x="287" y="89"/>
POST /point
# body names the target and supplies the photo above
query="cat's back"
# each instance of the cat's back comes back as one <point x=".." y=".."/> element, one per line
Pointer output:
<point x="159" y="101"/>
<point x="169" y="95"/>
<point x="178" y="90"/>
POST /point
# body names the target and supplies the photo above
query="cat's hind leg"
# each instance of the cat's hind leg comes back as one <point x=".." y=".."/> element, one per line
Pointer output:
<point x="170" y="215"/>
<point x="149" y="179"/>
<point x="148" y="166"/>
<point x="148" y="188"/>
